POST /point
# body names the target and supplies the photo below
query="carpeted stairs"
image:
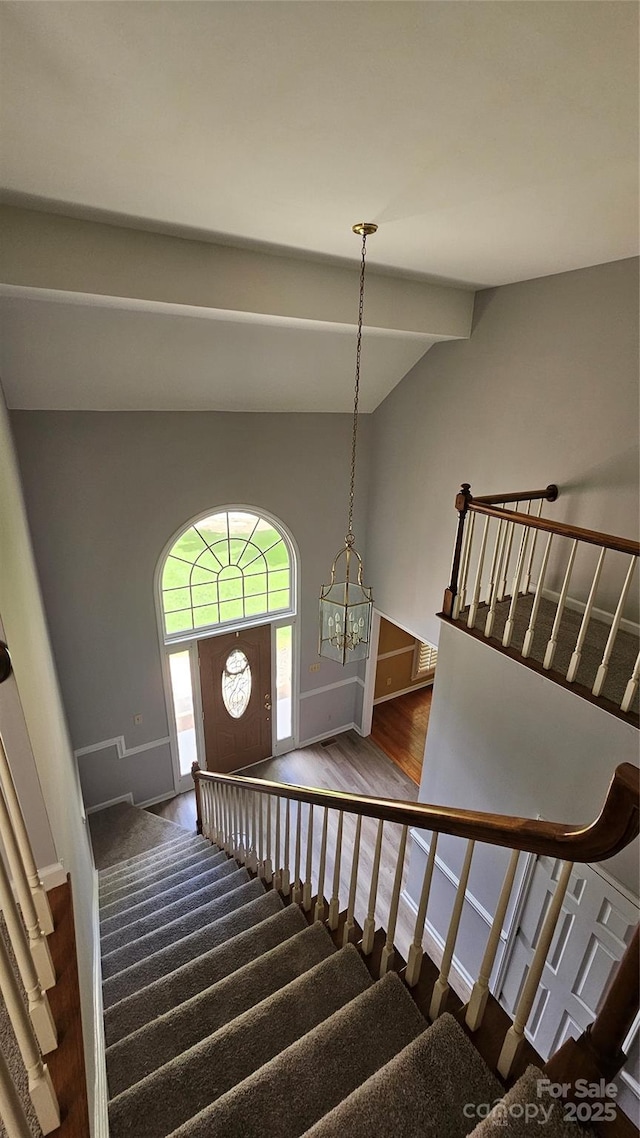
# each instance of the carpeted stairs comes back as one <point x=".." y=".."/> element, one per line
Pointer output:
<point x="227" y="1014"/>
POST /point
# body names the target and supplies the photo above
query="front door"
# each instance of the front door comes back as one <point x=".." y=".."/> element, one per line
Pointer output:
<point x="235" y="678"/>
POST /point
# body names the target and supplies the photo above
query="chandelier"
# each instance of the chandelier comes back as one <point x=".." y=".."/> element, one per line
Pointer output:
<point x="346" y="605"/>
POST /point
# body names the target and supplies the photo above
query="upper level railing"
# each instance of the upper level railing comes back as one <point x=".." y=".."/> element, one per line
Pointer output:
<point x="270" y="828"/>
<point x="503" y="587"/>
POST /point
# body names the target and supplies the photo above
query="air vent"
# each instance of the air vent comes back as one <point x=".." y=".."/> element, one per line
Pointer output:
<point x="328" y="742"/>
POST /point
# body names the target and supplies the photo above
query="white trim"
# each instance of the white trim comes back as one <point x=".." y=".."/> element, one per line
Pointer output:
<point x="465" y="981"/>
<point x="52" y="875"/>
<point x="396" y="652"/>
<point x="451" y="877"/>
<point x="101" y="1094"/>
<point x="327" y="735"/>
<point x="404" y="691"/>
<point x="112" y="802"/>
<point x="597" y="614"/>
<point x="124" y="752"/>
<point x="330" y="687"/>
<point x="158" y="798"/>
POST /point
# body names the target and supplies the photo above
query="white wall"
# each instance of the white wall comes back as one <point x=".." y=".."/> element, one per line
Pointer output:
<point x="546" y="390"/>
<point x="105" y="492"/>
<point x="26" y="630"/>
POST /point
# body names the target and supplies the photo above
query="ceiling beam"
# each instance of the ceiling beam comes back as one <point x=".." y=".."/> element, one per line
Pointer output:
<point x="52" y="252"/>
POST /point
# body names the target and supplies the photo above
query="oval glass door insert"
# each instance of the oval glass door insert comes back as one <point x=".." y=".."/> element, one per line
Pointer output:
<point x="236" y="683"/>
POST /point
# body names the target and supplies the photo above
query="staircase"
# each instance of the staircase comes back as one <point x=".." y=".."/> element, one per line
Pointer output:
<point x="230" y="1012"/>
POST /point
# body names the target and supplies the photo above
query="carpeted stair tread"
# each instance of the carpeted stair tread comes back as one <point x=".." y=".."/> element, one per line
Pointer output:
<point x="291" y="1092"/>
<point x="190" y="895"/>
<point x="182" y="841"/>
<point x="137" y="950"/>
<point x="128" y="883"/>
<point x="188" y="1023"/>
<point x="211" y="967"/>
<point x="420" y="1093"/>
<point x="171" y="1095"/>
<point x="254" y="906"/>
<point x="507" y="1121"/>
<point x="135" y="896"/>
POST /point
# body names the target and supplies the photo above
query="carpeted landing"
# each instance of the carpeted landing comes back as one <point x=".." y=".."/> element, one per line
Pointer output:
<point x="227" y="1014"/>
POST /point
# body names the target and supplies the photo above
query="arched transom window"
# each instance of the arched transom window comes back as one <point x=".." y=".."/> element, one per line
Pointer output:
<point x="231" y="566"/>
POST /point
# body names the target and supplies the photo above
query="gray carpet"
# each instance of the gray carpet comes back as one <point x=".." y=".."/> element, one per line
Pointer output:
<point x="546" y="1116"/>
<point x="623" y="657"/>
<point x="228" y="1016"/>
<point x="122" y="831"/>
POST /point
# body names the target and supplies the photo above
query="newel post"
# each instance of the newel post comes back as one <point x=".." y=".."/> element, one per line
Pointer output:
<point x="598" y="1053"/>
<point x="195" y="770"/>
<point x="462" y="505"/>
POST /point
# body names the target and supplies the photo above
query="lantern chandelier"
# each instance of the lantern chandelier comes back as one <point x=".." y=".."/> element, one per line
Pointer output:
<point x="346" y="606"/>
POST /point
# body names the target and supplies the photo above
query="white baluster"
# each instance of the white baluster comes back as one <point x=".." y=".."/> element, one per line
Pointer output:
<point x="473" y="607"/>
<point x="526" y="584"/>
<point x="11" y="1109"/>
<point x="205" y="806"/>
<point x="515" y="1034"/>
<point x="243" y="834"/>
<point x="228" y="845"/>
<point x="441" y="986"/>
<point x="577" y="654"/>
<point x="388" y="952"/>
<point x="601" y="675"/>
<point x="37" y="940"/>
<point x="369" y="927"/>
<point x="296" y="892"/>
<point x="277" y="859"/>
<point x="494" y="574"/>
<point x="562" y="600"/>
<point x="508" y="542"/>
<point x="461" y="595"/>
<point x="307" y="888"/>
<point x="416" y="952"/>
<point x="480" y="992"/>
<point x="260" y="847"/>
<point x="632" y="687"/>
<point x="515" y="589"/>
<point x="37" y="1002"/>
<point x="537" y="600"/>
<point x="334" y="904"/>
<point x="268" y="865"/>
<point x="350" y="924"/>
<point x="41" y="1092"/>
<point x="38" y="892"/>
<point x="285" y="877"/>
<point x="319" y="909"/>
<point x="233" y="818"/>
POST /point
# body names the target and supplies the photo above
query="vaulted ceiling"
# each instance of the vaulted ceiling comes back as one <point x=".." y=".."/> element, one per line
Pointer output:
<point x="492" y="142"/>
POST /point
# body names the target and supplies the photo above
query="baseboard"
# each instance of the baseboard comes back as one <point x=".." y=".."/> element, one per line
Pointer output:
<point x="100" y="1090"/>
<point x="52" y="876"/>
<point x="158" y="798"/>
<point x="327" y="735"/>
<point x="112" y="802"/>
<point x="403" y="691"/>
<point x="598" y="614"/>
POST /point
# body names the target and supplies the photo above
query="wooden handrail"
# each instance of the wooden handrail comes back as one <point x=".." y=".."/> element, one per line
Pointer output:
<point x="549" y="494"/>
<point x="577" y="533"/>
<point x="616" y="826"/>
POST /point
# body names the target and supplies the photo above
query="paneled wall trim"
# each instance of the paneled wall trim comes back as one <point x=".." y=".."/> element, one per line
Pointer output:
<point x="330" y="687"/>
<point x="122" y="750"/>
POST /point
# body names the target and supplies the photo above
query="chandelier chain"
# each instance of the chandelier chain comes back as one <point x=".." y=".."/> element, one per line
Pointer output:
<point x="350" y="537"/>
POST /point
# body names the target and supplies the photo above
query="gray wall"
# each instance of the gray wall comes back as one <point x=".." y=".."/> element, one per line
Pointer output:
<point x="546" y="390"/>
<point x="105" y="492"/>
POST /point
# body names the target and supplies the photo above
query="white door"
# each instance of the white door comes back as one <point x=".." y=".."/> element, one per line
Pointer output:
<point x="595" y="925"/>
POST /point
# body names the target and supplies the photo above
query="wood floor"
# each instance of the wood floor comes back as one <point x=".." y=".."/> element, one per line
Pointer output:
<point x="349" y="763"/>
<point x="400" y="729"/>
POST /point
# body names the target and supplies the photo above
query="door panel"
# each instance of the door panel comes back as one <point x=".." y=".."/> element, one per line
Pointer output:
<point x="235" y="679"/>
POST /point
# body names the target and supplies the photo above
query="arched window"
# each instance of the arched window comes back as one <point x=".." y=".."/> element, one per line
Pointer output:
<point x="228" y="567"/>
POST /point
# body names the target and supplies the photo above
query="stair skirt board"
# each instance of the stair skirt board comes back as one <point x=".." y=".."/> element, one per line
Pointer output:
<point x="228" y="1015"/>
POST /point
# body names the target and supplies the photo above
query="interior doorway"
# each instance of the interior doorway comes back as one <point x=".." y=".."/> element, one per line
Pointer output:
<point x="404" y="673"/>
<point x="235" y="684"/>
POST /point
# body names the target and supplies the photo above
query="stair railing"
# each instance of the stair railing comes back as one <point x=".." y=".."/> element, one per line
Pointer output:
<point x="510" y="562"/>
<point x="225" y="803"/>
